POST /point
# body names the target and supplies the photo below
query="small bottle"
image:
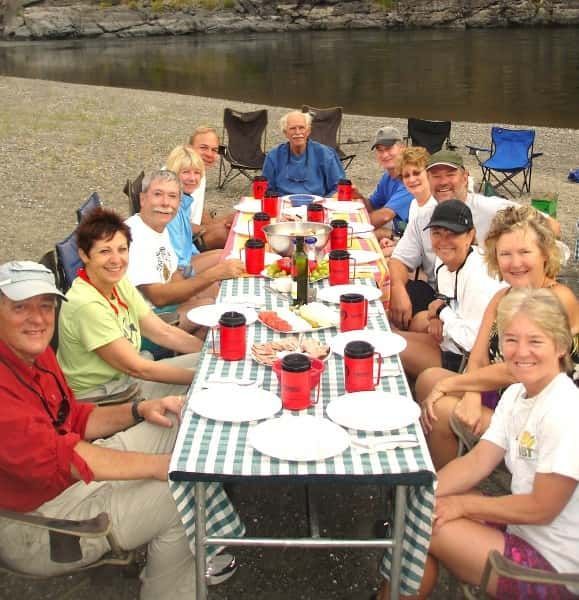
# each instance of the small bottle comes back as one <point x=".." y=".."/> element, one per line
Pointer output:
<point x="299" y="273"/>
<point x="310" y="247"/>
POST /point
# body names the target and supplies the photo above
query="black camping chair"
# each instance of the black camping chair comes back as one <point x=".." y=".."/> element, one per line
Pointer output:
<point x="133" y="191"/>
<point x="92" y="202"/>
<point x="431" y="135"/>
<point x="244" y="151"/>
<point x="327" y="129"/>
<point x="511" y="155"/>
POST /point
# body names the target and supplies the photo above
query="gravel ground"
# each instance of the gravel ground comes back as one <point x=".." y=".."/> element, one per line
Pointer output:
<point x="58" y="143"/>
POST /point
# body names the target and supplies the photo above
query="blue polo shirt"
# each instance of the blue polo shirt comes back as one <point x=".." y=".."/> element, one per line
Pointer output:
<point x="391" y="193"/>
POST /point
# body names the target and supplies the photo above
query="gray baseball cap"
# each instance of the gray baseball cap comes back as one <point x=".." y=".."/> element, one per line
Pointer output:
<point x="387" y="136"/>
<point x="23" y="279"/>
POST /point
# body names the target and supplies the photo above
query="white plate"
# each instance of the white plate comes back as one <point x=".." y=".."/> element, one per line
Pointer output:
<point x="269" y="258"/>
<point x="361" y="228"/>
<point x="243" y="228"/>
<point x="208" y="315"/>
<point x="384" y="342"/>
<point x="373" y="411"/>
<point x="296" y="323"/>
<point x="332" y="293"/>
<point x="235" y="403"/>
<point x="249" y="205"/>
<point x="363" y="256"/>
<point x="300" y="438"/>
<point x="343" y="206"/>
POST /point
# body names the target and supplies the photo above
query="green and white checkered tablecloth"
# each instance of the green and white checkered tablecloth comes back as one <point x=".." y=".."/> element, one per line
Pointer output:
<point x="215" y="450"/>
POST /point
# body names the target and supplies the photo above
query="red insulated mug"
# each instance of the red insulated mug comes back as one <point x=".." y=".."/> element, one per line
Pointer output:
<point x="260" y="220"/>
<point x="270" y="203"/>
<point x="339" y="234"/>
<point x="254" y="256"/>
<point x="359" y="367"/>
<point x="353" y="312"/>
<point x="340" y="267"/>
<point x="298" y="375"/>
<point x="316" y="213"/>
<point x="259" y="187"/>
<point x="232" y="331"/>
<point x="344" y="189"/>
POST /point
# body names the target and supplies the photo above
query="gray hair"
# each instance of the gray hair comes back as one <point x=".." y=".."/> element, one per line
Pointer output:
<point x="306" y="115"/>
<point x="162" y="175"/>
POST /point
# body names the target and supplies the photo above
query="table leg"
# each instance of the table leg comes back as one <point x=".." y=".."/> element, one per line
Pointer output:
<point x="200" y="534"/>
<point x="313" y="520"/>
<point x="398" y="535"/>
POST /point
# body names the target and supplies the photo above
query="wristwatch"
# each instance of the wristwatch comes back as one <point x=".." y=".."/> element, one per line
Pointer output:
<point x="135" y="411"/>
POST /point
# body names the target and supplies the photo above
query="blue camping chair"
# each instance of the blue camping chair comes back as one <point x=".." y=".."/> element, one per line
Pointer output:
<point x="68" y="261"/>
<point x="92" y="202"/>
<point x="511" y="154"/>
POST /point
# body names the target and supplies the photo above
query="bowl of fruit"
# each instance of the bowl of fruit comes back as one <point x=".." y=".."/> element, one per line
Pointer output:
<point x="281" y="270"/>
<point x="280" y="236"/>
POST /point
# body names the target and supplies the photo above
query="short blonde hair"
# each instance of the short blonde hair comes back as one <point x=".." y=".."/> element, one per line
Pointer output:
<point x="183" y="157"/>
<point x="416" y="156"/>
<point x="306" y="115"/>
<point x="544" y="309"/>
<point x="202" y="130"/>
<point x="522" y="218"/>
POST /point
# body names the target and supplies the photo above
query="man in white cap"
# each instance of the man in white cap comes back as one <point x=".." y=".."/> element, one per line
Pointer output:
<point x="65" y="459"/>
<point x="389" y="203"/>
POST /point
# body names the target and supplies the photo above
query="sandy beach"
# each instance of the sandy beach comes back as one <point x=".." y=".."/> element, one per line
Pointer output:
<point x="60" y="142"/>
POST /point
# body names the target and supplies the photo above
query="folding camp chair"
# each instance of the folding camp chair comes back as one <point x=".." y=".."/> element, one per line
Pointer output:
<point x="244" y="151"/>
<point x="504" y="567"/>
<point x="133" y="191"/>
<point x="511" y="154"/>
<point x="64" y="537"/>
<point x="431" y="135"/>
<point x="92" y="202"/>
<point x="327" y="129"/>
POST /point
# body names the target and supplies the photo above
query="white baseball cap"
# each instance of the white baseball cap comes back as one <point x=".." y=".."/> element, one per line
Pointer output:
<point x="23" y="279"/>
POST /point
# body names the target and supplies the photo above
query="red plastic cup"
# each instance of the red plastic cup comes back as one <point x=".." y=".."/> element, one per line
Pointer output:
<point x="339" y="267"/>
<point x="298" y="375"/>
<point x="359" y="367"/>
<point x="259" y="187"/>
<point x="260" y="220"/>
<point x="344" y="189"/>
<point x="270" y="204"/>
<point x="254" y="256"/>
<point x="232" y="334"/>
<point x="316" y="213"/>
<point x="353" y="312"/>
<point x="339" y="234"/>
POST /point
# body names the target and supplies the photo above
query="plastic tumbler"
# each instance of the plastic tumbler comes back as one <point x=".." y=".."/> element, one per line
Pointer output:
<point x="254" y="256"/>
<point x="339" y="234"/>
<point x="344" y="189"/>
<point x="259" y="186"/>
<point x="260" y="220"/>
<point x="353" y="312"/>
<point x="339" y="267"/>
<point x="359" y="367"/>
<point x="270" y="203"/>
<point x="316" y="213"/>
<point x="232" y="333"/>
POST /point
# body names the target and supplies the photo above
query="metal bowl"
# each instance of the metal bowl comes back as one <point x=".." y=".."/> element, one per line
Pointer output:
<point x="280" y="236"/>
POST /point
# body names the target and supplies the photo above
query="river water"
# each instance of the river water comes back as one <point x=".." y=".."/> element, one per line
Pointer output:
<point x="524" y="76"/>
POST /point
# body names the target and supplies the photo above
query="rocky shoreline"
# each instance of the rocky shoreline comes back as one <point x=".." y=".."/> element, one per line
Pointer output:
<point x="60" y="142"/>
<point x="60" y="19"/>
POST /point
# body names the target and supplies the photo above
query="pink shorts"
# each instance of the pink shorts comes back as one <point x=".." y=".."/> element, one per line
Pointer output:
<point x="525" y="555"/>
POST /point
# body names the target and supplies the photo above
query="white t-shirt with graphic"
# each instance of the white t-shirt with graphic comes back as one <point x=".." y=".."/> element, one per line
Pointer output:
<point x="151" y="256"/>
<point x="541" y="435"/>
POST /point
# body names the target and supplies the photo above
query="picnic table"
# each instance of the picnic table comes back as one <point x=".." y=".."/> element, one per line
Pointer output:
<point x="208" y="450"/>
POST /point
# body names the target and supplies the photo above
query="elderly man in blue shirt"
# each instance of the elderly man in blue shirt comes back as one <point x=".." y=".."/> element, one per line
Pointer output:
<point x="300" y="165"/>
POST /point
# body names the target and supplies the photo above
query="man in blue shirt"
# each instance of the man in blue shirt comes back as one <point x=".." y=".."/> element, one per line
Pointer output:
<point x="389" y="203"/>
<point x="302" y="166"/>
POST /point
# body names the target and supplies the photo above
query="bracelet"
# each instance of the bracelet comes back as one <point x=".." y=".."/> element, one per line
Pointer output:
<point x="135" y="411"/>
